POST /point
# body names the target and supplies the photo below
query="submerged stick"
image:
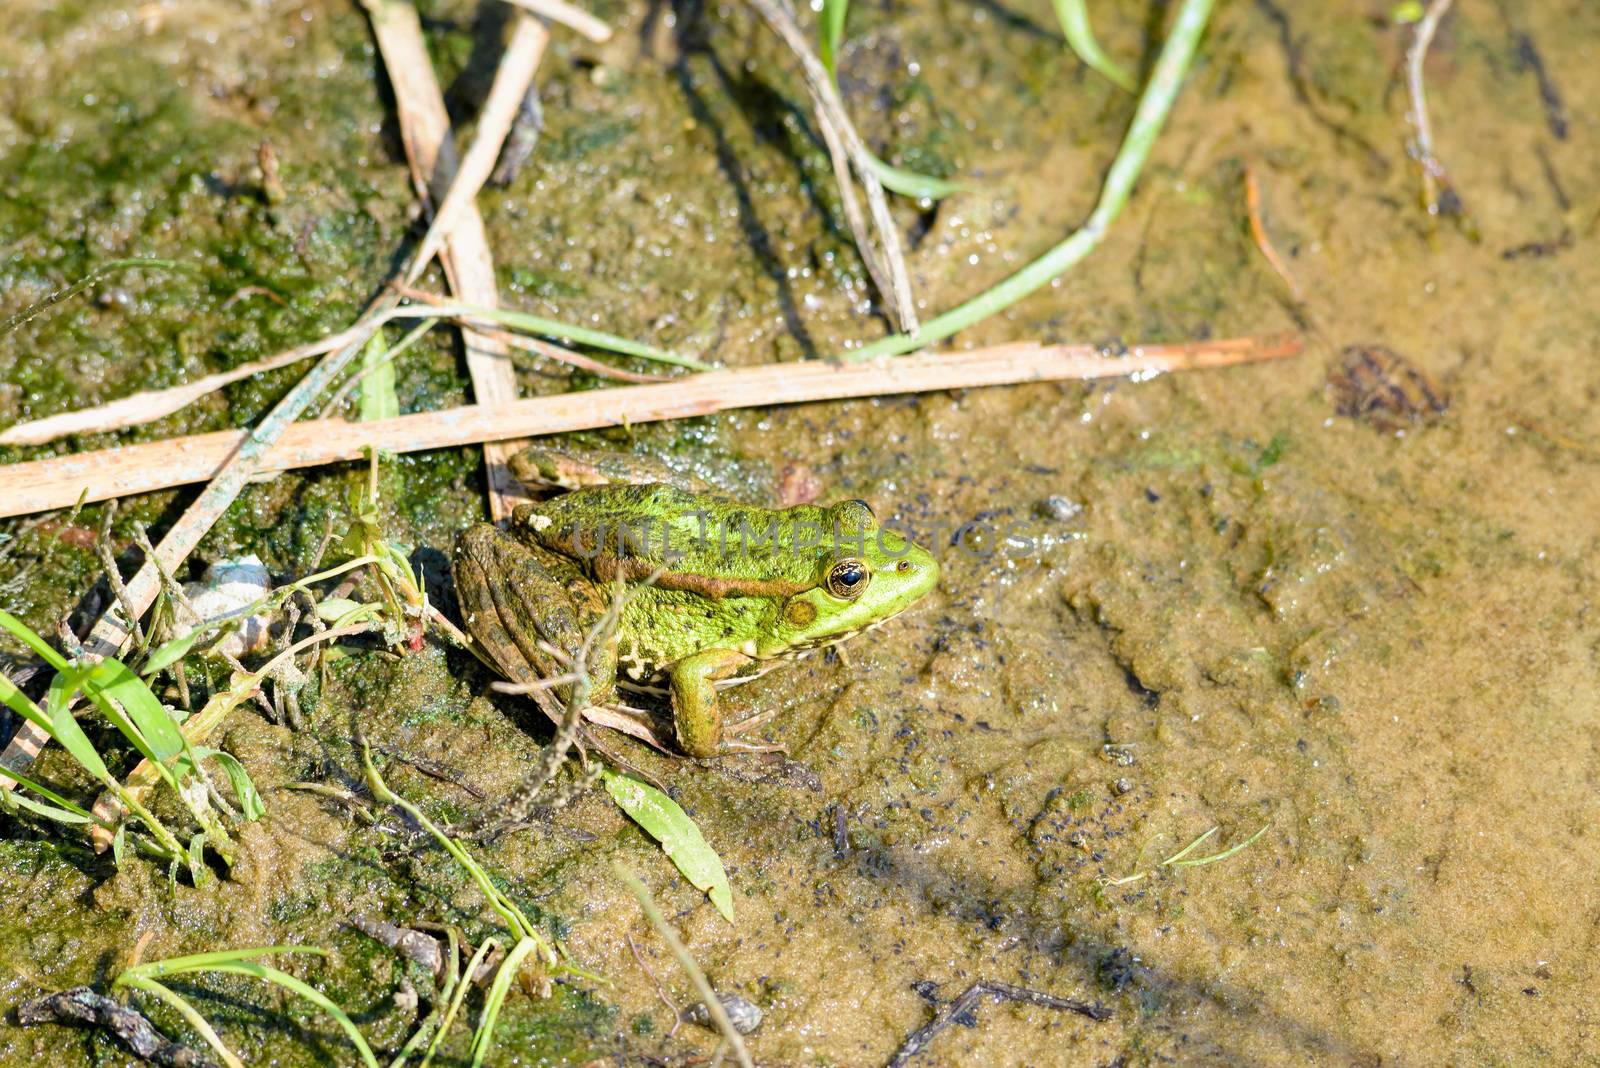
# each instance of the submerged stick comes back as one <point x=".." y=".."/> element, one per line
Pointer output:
<point x="40" y="485"/>
<point x="918" y="1040"/>
<point x="1258" y="231"/>
<point x="1159" y="94"/>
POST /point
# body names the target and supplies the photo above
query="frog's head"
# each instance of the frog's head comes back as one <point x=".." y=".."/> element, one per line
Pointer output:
<point x="867" y="574"/>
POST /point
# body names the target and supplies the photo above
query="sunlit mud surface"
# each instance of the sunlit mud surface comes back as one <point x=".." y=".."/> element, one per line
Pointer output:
<point x="1212" y="600"/>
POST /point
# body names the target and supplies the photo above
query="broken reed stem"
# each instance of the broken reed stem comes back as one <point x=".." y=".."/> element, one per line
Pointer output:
<point x="888" y="275"/>
<point x="1433" y="174"/>
<point x="41" y="485"/>
<point x="1154" y="105"/>
<point x="466" y="258"/>
<point x="523" y="51"/>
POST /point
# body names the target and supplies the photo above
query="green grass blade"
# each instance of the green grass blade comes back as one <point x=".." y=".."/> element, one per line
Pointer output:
<point x="910" y="183"/>
<point x="16" y="799"/>
<point x="833" y="15"/>
<point x="29" y="637"/>
<point x="551" y="328"/>
<point x="378" y="399"/>
<point x="680" y="838"/>
<point x="19" y="703"/>
<point x="66" y="731"/>
<point x="192" y="1015"/>
<point x="168" y="653"/>
<point x="1074" y="18"/>
<point x="1224" y="855"/>
<point x="200" y="962"/>
<point x="1190" y="848"/>
<point x="250" y="803"/>
<point x="49" y="794"/>
<point x="457" y="998"/>
<point x="483" y="1038"/>
<point x="310" y="994"/>
<point x="117" y="681"/>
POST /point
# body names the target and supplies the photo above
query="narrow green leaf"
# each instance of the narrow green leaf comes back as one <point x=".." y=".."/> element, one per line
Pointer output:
<point x="200" y="962"/>
<point x="50" y="812"/>
<point x="378" y="400"/>
<point x="249" y="800"/>
<point x="552" y="328"/>
<point x="1074" y="18"/>
<point x="910" y="183"/>
<point x="169" y="653"/>
<point x="1224" y="855"/>
<point x="202" y="1027"/>
<point x="833" y="15"/>
<point x="116" y="680"/>
<point x="65" y="730"/>
<point x="680" y="839"/>
<point x="199" y="874"/>
<point x="119" y="845"/>
<point x="308" y="993"/>
<point x="49" y="794"/>
<point x="19" y="703"/>
<point x="483" y="1038"/>
<point x="29" y="637"/>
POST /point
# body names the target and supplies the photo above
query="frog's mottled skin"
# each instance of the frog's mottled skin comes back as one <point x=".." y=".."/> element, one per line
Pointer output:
<point x="735" y="589"/>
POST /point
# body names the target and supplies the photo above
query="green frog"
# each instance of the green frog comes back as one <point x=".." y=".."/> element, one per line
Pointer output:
<point x="719" y="592"/>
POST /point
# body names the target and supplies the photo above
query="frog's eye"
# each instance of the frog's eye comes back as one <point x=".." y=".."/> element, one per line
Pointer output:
<point x="848" y="578"/>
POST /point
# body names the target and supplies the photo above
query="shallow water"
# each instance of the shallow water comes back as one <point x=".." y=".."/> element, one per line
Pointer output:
<point x="1380" y="646"/>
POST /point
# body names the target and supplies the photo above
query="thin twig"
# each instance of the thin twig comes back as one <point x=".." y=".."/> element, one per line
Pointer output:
<point x="893" y="283"/>
<point x="108" y="559"/>
<point x="150" y="405"/>
<point x="686" y="961"/>
<point x="523" y="52"/>
<point x="661" y="991"/>
<point x="918" y="1040"/>
<point x="1258" y="230"/>
<point x="40" y="485"/>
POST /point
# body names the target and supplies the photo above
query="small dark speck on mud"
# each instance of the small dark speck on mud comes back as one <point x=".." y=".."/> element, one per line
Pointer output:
<point x="1151" y="495"/>
<point x="1117" y="969"/>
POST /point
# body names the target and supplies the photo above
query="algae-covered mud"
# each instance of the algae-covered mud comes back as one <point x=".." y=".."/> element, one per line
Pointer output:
<point x="1347" y="598"/>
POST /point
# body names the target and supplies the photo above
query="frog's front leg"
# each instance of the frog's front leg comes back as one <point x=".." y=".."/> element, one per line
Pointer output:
<point x="695" y="712"/>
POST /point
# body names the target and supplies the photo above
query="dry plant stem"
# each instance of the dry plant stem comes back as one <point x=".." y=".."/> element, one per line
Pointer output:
<point x="523" y="52"/>
<point x="1433" y="174"/>
<point x="840" y="134"/>
<point x="108" y="560"/>
<point x="713" y="1004"/>
<point x="40" y="485"/>
<point x="232" y="469"/>
<point x="150" y="405"/>
<point x="1258" y="230"/>
<point x="467" y="261"/>
<point x="569" y="15"/>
